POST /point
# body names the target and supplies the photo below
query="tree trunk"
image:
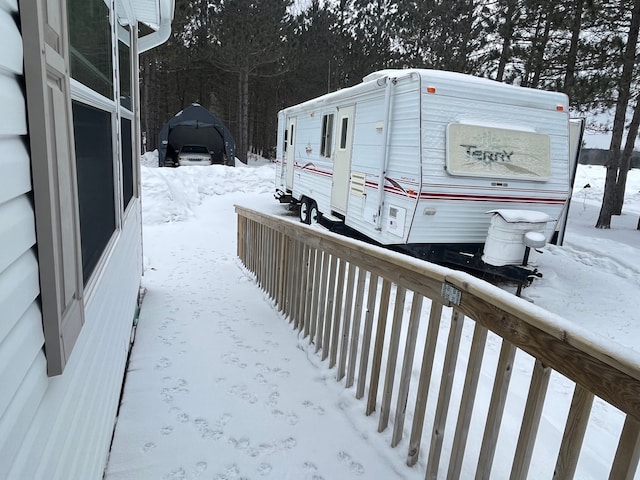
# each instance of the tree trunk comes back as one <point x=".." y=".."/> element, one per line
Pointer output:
<point x="624" y="88"/>
<point x="625" y="160"/>
<point x="572" y="56"/>
<point x="243" y="114"/>
<point x="507" y="34"/>
<point x="541" y="46"/>
<point x="529" y="64"/>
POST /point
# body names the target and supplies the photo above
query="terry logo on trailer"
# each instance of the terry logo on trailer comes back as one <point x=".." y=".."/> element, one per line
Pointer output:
<point x="487" y="156"/>
<point x="484" y="151"/>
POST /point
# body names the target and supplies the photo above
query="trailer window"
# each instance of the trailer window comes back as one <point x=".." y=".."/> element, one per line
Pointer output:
<point x="343" y="133"/>
<point x="286" y="141"/>
<point x="327" y="135"/>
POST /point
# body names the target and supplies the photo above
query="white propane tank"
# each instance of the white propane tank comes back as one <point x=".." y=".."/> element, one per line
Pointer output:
<point x="505" y="243"/>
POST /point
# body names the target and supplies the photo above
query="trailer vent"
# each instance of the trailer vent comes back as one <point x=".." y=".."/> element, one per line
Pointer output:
<point x="358" y="182"/>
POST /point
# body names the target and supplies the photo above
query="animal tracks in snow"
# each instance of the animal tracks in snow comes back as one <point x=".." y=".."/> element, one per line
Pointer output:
<point x="179" y="473"/>
<point x="354" y="466"/>
<point x="316" y="408"/>
<point x="163" y="363"/>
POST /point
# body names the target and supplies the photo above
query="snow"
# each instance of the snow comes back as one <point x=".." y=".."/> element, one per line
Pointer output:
<point x="522" y="216"/>
<point x="220" y="386"/>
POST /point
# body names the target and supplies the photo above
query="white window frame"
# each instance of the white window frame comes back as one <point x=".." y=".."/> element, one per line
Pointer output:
<point x="50" y="92"/>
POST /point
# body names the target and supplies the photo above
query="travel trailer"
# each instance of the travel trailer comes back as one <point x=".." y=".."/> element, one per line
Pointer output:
<point x="422" y="161"/>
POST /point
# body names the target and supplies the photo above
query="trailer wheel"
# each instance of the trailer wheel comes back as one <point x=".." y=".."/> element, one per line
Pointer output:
<point x="305" y="208"/>
<point x="314" y="214"/>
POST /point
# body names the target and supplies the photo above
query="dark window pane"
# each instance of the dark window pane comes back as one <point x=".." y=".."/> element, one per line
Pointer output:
<point x="127" y="163"/>
<point x="94" y="164"/>
<point x="90" y="45"/>
<point x="124" y="63"/>
<point x="327" y="133"/>
<point x="343" y="133"/>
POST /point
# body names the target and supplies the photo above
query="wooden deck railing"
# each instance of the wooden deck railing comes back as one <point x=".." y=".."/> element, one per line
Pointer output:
<point x="392" y="327"/>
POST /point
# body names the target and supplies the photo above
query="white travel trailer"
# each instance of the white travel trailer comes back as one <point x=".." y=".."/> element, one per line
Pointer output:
<point x="416" y="160"/>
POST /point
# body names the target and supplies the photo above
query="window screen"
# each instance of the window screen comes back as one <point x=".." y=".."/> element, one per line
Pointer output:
<point x="94" y="164"/>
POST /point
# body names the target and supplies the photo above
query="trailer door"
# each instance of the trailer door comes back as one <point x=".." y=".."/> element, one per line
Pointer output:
<point x="290" y="147"/>
<point x="342" y="163"/>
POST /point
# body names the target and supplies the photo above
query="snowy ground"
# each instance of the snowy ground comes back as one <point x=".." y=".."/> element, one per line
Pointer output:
<point x="220" y="387"/>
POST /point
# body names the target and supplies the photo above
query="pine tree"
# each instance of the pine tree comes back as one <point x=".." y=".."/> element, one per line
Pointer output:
<point x="616" y="171"/>
<point x="248" y="39"/>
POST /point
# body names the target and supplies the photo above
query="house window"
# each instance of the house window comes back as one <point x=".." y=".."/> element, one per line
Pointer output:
<point x="90" y="45"/>
<point x="127" y="162"/>
<point x="96" y="189"/>
<point x="124" y="65"/>
<point x="327" y="134"/>
<point x="343" y="133"/>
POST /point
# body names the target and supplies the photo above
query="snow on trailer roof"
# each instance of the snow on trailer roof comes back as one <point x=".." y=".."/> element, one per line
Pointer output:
<point x="464" y="86"/>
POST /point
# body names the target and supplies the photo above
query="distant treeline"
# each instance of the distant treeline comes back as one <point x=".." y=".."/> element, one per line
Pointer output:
<point x="599" y="156"/>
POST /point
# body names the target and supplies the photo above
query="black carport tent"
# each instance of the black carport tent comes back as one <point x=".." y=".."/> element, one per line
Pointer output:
<point x="195" y="125"/>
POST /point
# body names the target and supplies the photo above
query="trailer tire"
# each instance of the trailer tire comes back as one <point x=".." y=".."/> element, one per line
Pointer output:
<point x="314" y="214"/>
<point x="305" y="209"/>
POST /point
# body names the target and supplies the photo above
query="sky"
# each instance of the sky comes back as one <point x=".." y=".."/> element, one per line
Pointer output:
<point x="220" y="386"/>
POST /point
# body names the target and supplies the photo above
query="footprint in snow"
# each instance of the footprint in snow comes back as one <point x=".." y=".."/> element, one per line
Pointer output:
<point x="355" y="467"/>
<point x="231" y="472"/>
<point x="273" y="399"/>
<point x="199" y="468"/>
<point x="241" y="443"/>
<point x="312" y="469"/>
<point x="177" y="473"/>
<point x="166" y="396"/>
<point x="182" y="417"/>
<point x="147" y="447"/>
<point x="289" y="443"/>
<point x="290" y="418"/>
<point x="316" y="408"/>
<point x="202" y="425"/>
<point x="163" y="363"/>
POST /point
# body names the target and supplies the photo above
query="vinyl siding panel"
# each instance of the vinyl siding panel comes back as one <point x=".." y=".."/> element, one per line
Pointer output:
<point x="73" y="442"/>
<point x="14" y="164"/>
<point x="18" y="289"/>
<point x="22" y="364"/>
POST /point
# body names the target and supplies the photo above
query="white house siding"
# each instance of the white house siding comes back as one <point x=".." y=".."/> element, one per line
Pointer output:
<point x="59" y="427"/>
<point x="72" y="429"/>
<point x="23" y="377"/>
